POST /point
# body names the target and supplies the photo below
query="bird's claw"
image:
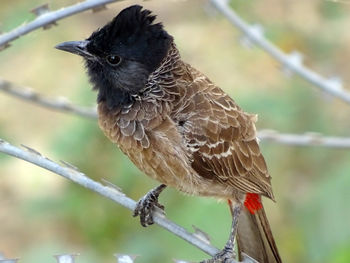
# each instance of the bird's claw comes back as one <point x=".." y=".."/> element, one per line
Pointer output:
<point x="146" y="206"/>
<point x="227" y="255"/>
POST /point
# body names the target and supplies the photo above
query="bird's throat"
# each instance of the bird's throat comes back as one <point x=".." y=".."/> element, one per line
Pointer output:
<point x="113" y="98"/>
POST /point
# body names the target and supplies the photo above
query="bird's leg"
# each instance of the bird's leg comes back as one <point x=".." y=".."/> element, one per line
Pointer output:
<point x="145" y="206"/>
<point x="228" y="254"/>
<point x="235" y="212"/>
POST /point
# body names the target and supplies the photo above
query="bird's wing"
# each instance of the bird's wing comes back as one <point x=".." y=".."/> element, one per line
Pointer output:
<point x="222" y="138"/>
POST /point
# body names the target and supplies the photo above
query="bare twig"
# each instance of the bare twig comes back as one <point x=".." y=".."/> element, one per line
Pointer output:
<point x="306" y="139"/>
<point x="107" y="191"/>
<point x="45" y="18"/>
<point x="291" y="62"/>
<point x="58" y="104"/>
<point x="66" y="258"/>
<point x="63" y="105"/>
<point x="347" y="2"/>
<point x="9" y="260"/>
<point x="121" y="258"/>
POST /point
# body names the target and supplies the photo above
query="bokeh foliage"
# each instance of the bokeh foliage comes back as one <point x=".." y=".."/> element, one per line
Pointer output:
<point x="41" y="214"/>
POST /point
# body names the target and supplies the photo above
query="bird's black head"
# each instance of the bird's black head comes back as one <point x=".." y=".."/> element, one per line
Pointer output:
<point x="121" y="55"/>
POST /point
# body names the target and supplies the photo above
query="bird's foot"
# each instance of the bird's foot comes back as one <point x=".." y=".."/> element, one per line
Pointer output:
<point x="227" y="255"/>
<point x="146" y="206"/>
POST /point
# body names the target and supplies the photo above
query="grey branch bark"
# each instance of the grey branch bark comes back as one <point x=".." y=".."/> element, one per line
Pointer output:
<point x="58" y="104"/>
<point x="291" y="62"/>
<point x="63" y="105"/>
<point x="46" y="18"/>
<point x="306" y="139"/>
<point x="113" y="193"/>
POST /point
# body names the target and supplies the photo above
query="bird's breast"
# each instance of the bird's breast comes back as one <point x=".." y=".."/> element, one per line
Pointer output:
<point x="149" y="139"/>
<point x="156" y="147"/>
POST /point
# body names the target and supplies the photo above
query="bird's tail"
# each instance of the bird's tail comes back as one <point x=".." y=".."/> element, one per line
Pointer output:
<point x="254" y="237"/>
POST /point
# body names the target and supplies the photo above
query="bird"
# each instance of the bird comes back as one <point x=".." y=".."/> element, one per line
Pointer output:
<point x="178" y="127"/>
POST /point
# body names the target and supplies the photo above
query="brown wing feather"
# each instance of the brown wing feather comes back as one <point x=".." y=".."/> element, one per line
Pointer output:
<point x="222" y="138"/>
<point x="190" y="132"/>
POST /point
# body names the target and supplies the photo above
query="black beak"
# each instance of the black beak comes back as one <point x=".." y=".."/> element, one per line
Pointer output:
<point x="76" y="47"/>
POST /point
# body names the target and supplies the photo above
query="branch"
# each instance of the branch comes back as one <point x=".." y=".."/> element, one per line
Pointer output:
<point x="45" y="18"/>
<point x="58" y="104"/>
<point x="113" y="193"/>
<point x="291" y="62"/>
<point x="63" y="105"/>
<point x="70" y="258"/>
<point x="307" y="139"/>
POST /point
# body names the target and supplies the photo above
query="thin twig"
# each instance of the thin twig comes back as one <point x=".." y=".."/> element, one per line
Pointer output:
<point x="46" y="18"/>
<point x="291" y="62"/>
<point x="63" y="105"/>
<point x="112" y="193"/>
<point x="347" y="2"/>
<point x="59" y="104"/>
<point x="306" y="139"/>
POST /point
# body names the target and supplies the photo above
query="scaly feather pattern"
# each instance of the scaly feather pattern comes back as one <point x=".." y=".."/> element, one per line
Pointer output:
<point x="185" y="132"/>
<point x="177" y="126"/>
<point x="199" y="135"/>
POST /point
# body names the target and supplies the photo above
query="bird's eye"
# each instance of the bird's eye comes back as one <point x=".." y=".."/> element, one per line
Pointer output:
<point x="113" y="60"/>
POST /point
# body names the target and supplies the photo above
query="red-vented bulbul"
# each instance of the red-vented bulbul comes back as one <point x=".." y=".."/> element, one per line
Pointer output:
<point x="177" y="126"/>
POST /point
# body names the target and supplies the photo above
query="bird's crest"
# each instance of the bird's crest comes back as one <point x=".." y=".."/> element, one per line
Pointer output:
<point x="133" y="34"/>
<point x="130" y="22"/>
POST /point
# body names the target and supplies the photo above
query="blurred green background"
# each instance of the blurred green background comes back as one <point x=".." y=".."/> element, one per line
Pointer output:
<point x="42" y="214"/>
